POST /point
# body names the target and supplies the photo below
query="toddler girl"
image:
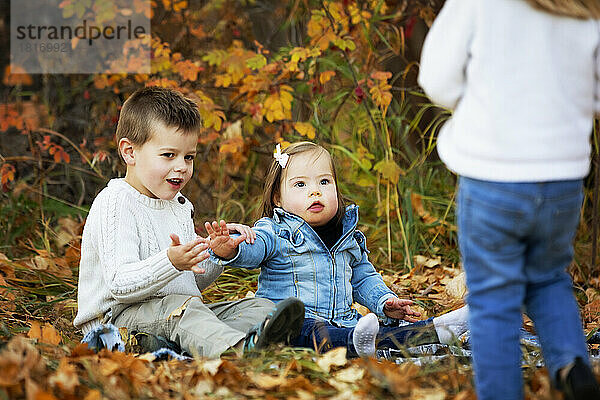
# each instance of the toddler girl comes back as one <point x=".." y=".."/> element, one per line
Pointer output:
<point x="308" y="247"/>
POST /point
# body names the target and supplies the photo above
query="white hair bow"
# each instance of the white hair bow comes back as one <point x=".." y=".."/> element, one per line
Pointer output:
<point x="282" y="159"/>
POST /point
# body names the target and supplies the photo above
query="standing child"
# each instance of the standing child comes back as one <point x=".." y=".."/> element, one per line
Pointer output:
<point x="523" y="80"/>
<point x="142" y="265"/>
<point x="307" y="246"/>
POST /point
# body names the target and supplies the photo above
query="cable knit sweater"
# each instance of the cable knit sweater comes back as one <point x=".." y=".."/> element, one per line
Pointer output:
<point x="524" y="85"/>
<point x="124" y="252"/>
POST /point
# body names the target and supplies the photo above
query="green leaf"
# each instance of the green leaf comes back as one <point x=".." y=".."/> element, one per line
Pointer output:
<point x="256" y="62"/>
<point x="389" y="170"/>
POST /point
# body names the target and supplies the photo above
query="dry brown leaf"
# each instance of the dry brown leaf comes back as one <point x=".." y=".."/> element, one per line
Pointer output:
<point x="44" y="396"/>
<point x="350" y="375"/>
<point x="304" y="395"/>
<point x="6" y="268"/>
<point x="65" y="378"/>
<point x="32" y="389"/>
<point x="44" y="334"/>
<point x="93" y="394"/>
<point x="203" y="388"/>
<point x="267" y="382"/>
<point x="211" y="366"/>
<point x="81" y="350"/>
<point x="592" y="294"/>
<point x="591" y="311"/>
<point x="428" y="394"/>
<point x="18" y="360"/>
<point x="362" y="310"/>
<point x="457" y="286"/>
<point x="335" y="357"/>
<point x="5" y="290"/>
<point x="40" y="263"/>
<point x="108" y="367"/>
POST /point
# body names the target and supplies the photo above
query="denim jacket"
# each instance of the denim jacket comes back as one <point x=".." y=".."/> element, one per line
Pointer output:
<point x="294" y="261"/>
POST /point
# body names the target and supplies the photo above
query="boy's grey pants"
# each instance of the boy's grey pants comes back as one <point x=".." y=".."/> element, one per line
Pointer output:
<point x="205" y="330"/>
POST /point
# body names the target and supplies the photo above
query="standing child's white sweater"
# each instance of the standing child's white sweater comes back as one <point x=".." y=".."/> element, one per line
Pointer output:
<point x="522" y="84"/>
<point x="124" y="252"/>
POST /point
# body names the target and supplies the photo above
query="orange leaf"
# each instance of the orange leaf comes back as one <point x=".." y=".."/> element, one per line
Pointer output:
<point x="7" y="173"/>
<point x="45" y="334"/>
<point x="326" y="76"/>
<point x="16" y="76"/>
<point x="381" y="75"/>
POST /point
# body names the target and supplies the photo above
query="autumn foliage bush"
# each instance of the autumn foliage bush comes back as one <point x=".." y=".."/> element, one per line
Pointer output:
<point x="341" y="73"/>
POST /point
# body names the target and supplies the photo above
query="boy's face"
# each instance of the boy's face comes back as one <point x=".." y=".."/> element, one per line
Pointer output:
<point x="308" y="188"/>
<point x="163" y="165"/>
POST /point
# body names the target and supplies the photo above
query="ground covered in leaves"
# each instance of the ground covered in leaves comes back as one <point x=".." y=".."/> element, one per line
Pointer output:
<point x="41" y="357"/>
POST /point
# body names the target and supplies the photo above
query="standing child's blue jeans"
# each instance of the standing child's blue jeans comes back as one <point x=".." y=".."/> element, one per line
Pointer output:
<point x="516" y="243"/>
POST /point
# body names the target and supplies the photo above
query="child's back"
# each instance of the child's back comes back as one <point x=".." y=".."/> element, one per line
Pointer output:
<point x="525" y="100"/>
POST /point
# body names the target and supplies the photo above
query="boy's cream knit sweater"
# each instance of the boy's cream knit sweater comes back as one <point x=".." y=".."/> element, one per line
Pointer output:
<point x="124" y="252"/>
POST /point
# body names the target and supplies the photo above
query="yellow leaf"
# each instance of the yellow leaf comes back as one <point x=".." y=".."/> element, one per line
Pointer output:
<point x="305" y="129"/>
<point x="180" y="5"/>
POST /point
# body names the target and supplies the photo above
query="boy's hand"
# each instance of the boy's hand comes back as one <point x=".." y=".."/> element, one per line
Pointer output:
<point x="400" y="309"/>
<point x="185" y="257"/>
<point x="243" y="230"/>
<point x="221" y="243"/>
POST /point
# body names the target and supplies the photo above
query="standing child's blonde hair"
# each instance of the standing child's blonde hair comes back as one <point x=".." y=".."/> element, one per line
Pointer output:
<point x="582" y="9"/>
<point x="272" y="187"/>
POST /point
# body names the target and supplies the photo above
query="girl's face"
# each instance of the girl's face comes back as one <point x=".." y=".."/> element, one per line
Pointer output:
<point x="308" y="188"/>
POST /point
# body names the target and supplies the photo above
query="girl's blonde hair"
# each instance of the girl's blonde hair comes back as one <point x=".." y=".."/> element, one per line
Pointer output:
<point x="272" y="187"/>
<point x="582" y="9"/>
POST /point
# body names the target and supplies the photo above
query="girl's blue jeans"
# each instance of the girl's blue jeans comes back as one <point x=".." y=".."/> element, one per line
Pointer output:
<point x="516" y="241"/>
<point x="323" y="336"/>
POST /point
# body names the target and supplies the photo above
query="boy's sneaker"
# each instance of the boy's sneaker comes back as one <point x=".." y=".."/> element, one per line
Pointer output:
<point x="364" y="335"/>
<point x="577" y="381"/>
<point x="280" y="325"/>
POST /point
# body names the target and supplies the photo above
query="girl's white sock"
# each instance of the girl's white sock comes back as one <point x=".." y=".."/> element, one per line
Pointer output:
<point x="364" y="335"/>
<point x="451" y="325"/>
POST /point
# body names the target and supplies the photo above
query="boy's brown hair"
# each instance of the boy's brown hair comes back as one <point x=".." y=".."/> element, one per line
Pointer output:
<point x="151" y="105"/>
<point x="582" y="9"/>
<point x="272" y="187"/>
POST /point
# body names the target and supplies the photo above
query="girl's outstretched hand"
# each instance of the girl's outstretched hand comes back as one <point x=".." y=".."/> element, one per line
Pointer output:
<point x="243" y="230"/>
<point x="400" y="309"/>
<point x="221" y="243"/>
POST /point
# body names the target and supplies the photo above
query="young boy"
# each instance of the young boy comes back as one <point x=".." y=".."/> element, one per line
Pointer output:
<point x="142" y="266"/>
